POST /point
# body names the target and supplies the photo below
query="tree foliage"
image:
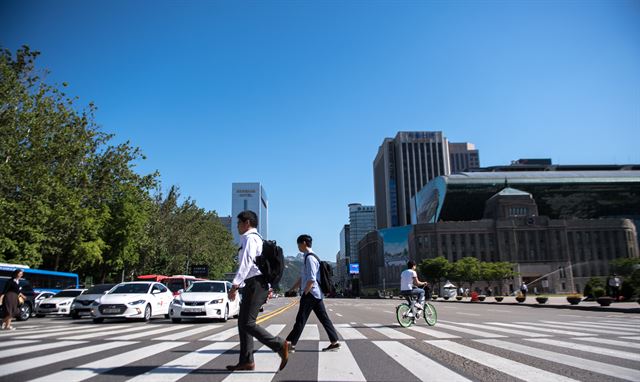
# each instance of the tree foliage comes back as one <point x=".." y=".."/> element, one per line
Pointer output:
<point x="70" y="199"/>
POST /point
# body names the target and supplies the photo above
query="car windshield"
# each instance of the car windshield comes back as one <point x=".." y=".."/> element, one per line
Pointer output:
<point x="207" y="287"/>
<point x="99" y="289"/>
<point x="68" y="293"/>
<point x="130" y="288"/>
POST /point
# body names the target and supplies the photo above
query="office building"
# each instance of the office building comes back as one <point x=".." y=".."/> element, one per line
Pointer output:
<point x="463" y="157"/>
<point x="362" y="220"/>
<point x="343" y="259"/>
<point x="249" y="196"/>
<point x="403" y="166"/>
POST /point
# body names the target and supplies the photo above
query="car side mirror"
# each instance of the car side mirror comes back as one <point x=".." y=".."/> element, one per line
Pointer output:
<point x="155" y="291"/>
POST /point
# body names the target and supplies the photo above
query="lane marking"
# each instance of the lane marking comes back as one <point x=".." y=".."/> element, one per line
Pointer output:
<point x="267" y="363"/>
<point x="588" y="348"/>
<point x="349" y="333"/>
<point x="338" y="365"/>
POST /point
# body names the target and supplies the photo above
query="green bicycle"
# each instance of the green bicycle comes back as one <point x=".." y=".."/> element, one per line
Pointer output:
<point x="407" y="317"/>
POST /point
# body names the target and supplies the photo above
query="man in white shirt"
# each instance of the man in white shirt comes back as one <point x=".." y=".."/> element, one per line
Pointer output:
<point x="410" y="285"/>
<point x="254" y="294"/>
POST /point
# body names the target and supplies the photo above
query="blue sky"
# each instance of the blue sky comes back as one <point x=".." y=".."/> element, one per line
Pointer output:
<point x="299" y="95"/>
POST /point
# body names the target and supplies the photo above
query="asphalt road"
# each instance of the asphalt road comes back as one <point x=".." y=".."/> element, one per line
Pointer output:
<point x="477" y="342"/>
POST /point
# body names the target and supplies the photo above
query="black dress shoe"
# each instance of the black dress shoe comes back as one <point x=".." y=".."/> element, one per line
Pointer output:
<point x="242" y="366"/>
<point x="335" y="346"/>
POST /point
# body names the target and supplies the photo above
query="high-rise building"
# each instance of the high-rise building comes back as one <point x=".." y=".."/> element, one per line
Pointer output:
<point x="249" y="196"/>
<point x="362" y="220"/>
<point x="463" y="157"/>
<point x="343" y="258"/>
<point x="403" y="166"/>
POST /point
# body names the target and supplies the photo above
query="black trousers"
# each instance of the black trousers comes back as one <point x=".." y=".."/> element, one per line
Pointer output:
<point x="309" y="303"/>
<point x="254" y="295"/>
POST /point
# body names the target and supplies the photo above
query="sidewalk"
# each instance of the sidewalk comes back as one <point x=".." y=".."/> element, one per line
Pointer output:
<point x="554" y="302"/>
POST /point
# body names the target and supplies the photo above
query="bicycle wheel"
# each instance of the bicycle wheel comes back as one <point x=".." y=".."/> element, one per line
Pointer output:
<point x="430" y="314"/>
<point x="402" y="314"/>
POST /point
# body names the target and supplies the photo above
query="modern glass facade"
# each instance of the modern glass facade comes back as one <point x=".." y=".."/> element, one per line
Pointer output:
<point x="249" y="196"/>
<point x="403" y="166"/>
<point x="362" y="220"/>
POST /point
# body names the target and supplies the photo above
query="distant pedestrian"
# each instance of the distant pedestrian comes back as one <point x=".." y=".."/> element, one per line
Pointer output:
<point x="254" y="294"/>
<point x="10" y="299"/>
<point x="524" y="289"/>
<point x="614" y="285"/>
<point x="311" y="299"/>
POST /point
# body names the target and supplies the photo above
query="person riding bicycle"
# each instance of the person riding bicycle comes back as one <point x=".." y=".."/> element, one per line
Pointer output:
<point x="411" y="286"/>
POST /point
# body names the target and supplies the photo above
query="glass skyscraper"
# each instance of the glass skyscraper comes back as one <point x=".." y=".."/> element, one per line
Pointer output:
<point x="249" y="196"/>
<point x="362" y="220"/>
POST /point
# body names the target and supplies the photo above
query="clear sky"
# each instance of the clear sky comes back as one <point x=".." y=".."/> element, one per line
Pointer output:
<point x="298" y="95"/>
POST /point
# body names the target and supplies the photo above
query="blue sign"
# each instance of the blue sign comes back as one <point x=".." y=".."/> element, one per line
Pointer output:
<point x="354" y="268"/>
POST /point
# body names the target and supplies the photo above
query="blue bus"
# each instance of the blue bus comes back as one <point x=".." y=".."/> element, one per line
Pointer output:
<point x="43" y="280"/>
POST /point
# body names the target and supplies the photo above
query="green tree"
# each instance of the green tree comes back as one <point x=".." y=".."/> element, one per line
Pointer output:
<point x="434" y="270"/>
<point x="468" y="270"/>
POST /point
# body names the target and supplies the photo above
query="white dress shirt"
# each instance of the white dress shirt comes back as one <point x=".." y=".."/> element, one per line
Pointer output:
<point x="250" y="248"/>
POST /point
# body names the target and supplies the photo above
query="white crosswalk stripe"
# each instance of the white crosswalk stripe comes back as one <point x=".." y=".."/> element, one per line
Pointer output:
<point x="512" y="368"/>
<point x="89" y="370"/>
<point x="597" y="326"/>
<point x="419" y="365"/>
<point x="148" y="333"/>
<point x="628" y="328"/>
<point x="222" y="336"/>
<point x="267" y="363"/>
<point x="578" y="327"/>
<point x="310" y="332"/>
<point x="504" y="330"/>
<point x="18" y="366"/>
<point x="637" y="338"/>
<point x="587" y="348"/>
<point x="478" y="333"/>
<point x="348" y="332"/>
<point x="564" y="359"/>
<point x="432" y="332"/>
<point x="544" y="330"/>
<point x="62" y="334"/>
<point x="338" y="365"/>
<point x="19" y="333"/>
<point x="386" y="331"/>
<point x="605" y="341"/>
<point x="103" y="333"/>
<point x="178" y="368"/>
<point x="12" y="348"/>
<point x="187" y="333"/>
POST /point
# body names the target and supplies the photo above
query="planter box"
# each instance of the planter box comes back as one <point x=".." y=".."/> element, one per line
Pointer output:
<point x="498" y="298"/>
<point x="520" y="299"/>
<point x="542" y="300"/>
<point x="482" y="297"/>
<point x="458" y="298"/>
<point x="434" y="297"/>
<point x="605" y="300"/>
<point x="574" y="300"/>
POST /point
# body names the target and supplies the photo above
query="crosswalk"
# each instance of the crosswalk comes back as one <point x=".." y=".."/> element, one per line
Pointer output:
<point x="529" y="351"/>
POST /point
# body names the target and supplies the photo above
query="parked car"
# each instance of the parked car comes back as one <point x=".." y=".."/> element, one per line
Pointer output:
<point x="135" y="299"/>
<point x="39" y="298"/>
<point x="27" y="307"/>
<point x="205" y="299"/>
<point x="59" y="304"/>
<point x="82" y="304"/>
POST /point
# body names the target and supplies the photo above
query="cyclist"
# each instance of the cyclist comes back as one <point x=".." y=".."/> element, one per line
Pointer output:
<point x="411" y="286"/>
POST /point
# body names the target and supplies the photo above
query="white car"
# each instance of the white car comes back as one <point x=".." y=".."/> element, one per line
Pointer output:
<point x="205" y="299"/>
<point x="59" y="304"/>
<point x="39" y="298"/>
<point x="82" y="304"/>
<point x="136" y="299"/>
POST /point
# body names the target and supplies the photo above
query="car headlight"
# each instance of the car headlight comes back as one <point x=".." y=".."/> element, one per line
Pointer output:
<point x="176" y="302"/>
<point x="218" y="301"/>
<point x="137" y="302"/>
<point x="65" y="303"/>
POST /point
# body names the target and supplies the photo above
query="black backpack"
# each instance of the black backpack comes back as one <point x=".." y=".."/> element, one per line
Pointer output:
<point x="326" y="273"/>
<point x="271" y="261"/>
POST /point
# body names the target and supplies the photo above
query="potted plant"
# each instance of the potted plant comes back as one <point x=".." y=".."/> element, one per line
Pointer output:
<point x="458" y="298"/>
<point x="542" y="299"/>
<point x="499" y="298"/>
<point x="445" y="297"/>
<point x="574" y="299"/>
<point x="520" y="297"/>
<point x="434" y="297"/>
<point x="604" y="300"/>
<point x="482" y="297"/>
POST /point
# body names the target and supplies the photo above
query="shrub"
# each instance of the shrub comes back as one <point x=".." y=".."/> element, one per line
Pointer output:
<point x="598" y="292"/>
